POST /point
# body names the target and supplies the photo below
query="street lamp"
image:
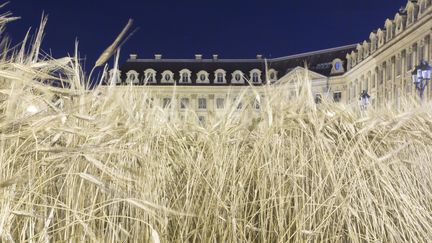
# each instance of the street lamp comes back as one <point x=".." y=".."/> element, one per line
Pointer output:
<point x="364" y="99"/>
<point x="421" y="77"/>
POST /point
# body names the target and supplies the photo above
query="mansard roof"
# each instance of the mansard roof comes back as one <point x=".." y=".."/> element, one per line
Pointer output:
<point x="318" y="61"/>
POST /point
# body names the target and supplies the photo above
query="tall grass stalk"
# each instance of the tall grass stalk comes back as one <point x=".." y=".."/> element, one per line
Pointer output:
<point x="97" y="166"/>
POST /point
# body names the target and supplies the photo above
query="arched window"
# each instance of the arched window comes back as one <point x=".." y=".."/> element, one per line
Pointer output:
<point x="399" y="23"/>
<point x="273" y="75"/>
<point x="202" y="77"/>
<point x="411" y="13"/>
<point x="115" y="76"/>
<point x="185" y="75"/>
<point x="167" y="77"/>
<point x="366" y="49"/>
<point x="220" y="76"/>
<point x="422" y="6"/>
<point x="359" y="53"/>
<point x="380" y="36"/>
<point x="237" y="77"/>
<point x="132" y="77"/>
<point x="389" y="29"/>
<point x="373" y="41"/>
<point x="353" y="59"/>
<point x="255" y="76"/>
<point x="150" y="76"/>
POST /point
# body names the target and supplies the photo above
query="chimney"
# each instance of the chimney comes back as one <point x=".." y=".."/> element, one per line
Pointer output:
<point x="215" y="57"/>
<point x="259" y="56"/>
<point x="133" y="56"/>
<point x="198" y="57"/>
<point x="158" y="56"/>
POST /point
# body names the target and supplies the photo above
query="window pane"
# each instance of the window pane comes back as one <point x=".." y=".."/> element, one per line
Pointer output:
<point x="202" y="103"/>
<point x="220" y="77"/>
<point x="255" y="78"/>
<point x="184" y="103"/>
<point x="318" y="98"/>
<point x="337" y="96"/>
<point x="201" y="120"/>
<point x="220" y="103"/>
<point x="166" y="103"/>
<point x="256" y="104"/>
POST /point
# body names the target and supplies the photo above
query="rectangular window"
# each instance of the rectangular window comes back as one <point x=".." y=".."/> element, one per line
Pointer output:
<point x="166" y="103"/>
<point x="256" y="104"/>
<point x="239" y="104"/>
<point x="201" y="120"/>
<point x="318" y="98"/>
<point x="184" y="103"/>
<point x="389" y="71"/>
<point x="409" y="61"/>
<point x="337" y="96"/>
<point x="366" y="84"/>
<point x="381" y="76"/>
<point x="149" y="103"/>
<point x="220" y="103"/>
<point x="202" y="103"/>
<point x="398" y="66"/>
<point x="421" y="54"/>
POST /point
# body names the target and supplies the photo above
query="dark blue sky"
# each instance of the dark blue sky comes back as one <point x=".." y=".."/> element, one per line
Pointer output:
<point x="181" y="28"/>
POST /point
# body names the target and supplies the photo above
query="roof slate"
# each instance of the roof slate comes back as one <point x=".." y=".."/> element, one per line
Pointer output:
<point x="318" y="61"/>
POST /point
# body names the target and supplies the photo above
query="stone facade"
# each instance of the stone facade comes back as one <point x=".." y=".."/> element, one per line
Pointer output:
<point x="382" y="65"/>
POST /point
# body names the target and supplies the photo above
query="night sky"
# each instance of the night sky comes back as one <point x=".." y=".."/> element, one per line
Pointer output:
<point x="182" y="28"/>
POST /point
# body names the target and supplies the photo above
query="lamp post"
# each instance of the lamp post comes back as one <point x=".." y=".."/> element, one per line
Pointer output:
<point x="364" y="99"/>
<point x="421" y="77"/>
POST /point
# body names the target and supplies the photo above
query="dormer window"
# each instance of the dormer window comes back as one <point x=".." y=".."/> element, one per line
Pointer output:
<point x="115" y="76"/>
<point x="272" y="75"/>
<point x="359" y="53"/>
<point x="220" y="76"/>
<point x="389" y="29"/>
<point x="237" y="77"/>
<point x="255" y="76"/>
<point x="374" y="42"/>
<point x="380" y="38"/>
<point x="167" y="77"/>
<point x="399" y="22"/>
<point x="353" y="59"/>
<point x="202" y="77"/>
<point x="149" y="76"/>
<point x="410" y="13"/>
<point x="423" y="5"/>
<point x="337" y="66"/>
<point x="365" y="49"/>
<point x="132" y="77"/>
<point x="185" y="76"/>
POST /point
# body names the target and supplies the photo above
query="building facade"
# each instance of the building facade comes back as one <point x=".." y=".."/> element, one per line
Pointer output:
<point x="382" y="64"/>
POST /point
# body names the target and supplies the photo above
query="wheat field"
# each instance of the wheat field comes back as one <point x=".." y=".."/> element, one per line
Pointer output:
<point x="94" y="165"/>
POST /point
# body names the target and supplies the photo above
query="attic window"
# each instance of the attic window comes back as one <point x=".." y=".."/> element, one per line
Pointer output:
<point x="185" y="76"/>
<point x="255" y="76"/>
<point x="272" y="75"/>
<point x="150" y="76"/>
<point x="220" y="76"/>
<point x="167" y="76"/>
<point x="202" y="77"/>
